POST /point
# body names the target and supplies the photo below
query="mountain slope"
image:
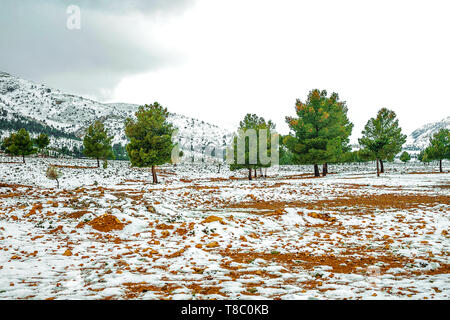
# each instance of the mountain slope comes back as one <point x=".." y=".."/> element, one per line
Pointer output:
<point x="420" y="138"/>
<point x="65" y="117"/>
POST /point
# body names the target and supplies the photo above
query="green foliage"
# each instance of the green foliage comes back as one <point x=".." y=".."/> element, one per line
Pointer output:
<point x="382" y="137"/>
<point x="353" y="156"/>
<point x="120" y="152"/>
<point x="439" y="147"/>
<point x="18" y="122"/>
<point x="321" y="130"/>
<point x="97" y="143"/>
<point x="42" y="141"/>
<point x="6" y="142"/>
<point x="423" y="157"/>
<point x="286" y="156"/>
<point x="252" y="122"/>
<point x="76" y="152"/>
<point x="405" y="157"/>
<point x="19" y="144"/>
<point x="150" y="137"/>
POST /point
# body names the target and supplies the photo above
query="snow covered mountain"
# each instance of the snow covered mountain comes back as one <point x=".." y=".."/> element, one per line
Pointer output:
<point x="65" y="117"/>
<point x="420" y="138"/>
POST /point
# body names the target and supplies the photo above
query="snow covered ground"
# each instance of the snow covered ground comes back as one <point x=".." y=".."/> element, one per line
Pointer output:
<point x="200" y="234"/>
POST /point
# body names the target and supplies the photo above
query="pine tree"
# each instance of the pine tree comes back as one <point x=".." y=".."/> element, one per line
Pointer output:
<point x="6" y="142"/>
<point x="150" y="138"/>
<point x="20" y="144"/>
<point x="382" y="138"/>
<point x="42" y="141"/>
<point x="423" y="157"/>
<point x="320" y="132"/>
<point x="405" y="157"/>
<point x="252" y="150"/>
<point x="97" y="143"/>
<point x="286" y="157"/>
<point x="439" y="147"/>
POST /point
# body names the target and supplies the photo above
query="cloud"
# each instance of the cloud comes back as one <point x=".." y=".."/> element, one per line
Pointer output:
<point x="115" y="40"/>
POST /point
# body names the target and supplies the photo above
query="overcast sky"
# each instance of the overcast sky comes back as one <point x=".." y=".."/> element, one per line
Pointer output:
<point x="217" y="60"/>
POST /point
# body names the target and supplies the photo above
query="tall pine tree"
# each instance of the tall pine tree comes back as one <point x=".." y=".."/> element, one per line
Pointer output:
<point x="150" y="138"/>
<point x="97" y="143"/>
<point x="382" y="138"/>
<point x="320" y="132"/>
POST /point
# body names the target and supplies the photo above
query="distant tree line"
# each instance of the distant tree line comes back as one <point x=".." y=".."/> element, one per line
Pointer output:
<point x="319" y="135"/>
<point x="33" y="127"/>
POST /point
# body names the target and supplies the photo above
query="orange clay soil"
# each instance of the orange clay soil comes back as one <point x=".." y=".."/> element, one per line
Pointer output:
<point x="76" y="214"/>
<point x="347" y="263"/>
<point x="371" y="202"/>
<point x="133" y="290"/>
<point x="106" y="223"/>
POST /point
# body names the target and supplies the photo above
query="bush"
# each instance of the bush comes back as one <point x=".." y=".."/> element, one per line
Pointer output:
<point x="53" y="174"/>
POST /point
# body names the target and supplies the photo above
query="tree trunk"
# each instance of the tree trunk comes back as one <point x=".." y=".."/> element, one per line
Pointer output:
<point x="378" y="169"/>
<point x="265" y="172"/>
<point x="23" y="158"/>
<point x="155" y="177"/>
<point x="98" y="163"/>
<point x="249" y="174"/>
<point x="255" y="173"/>
<point x="440" y="165"/>
<point x="316" y="171"/>
<point x="57" y="184"/>
<point x="325" y="169"/>
<point x="381" y="166"/>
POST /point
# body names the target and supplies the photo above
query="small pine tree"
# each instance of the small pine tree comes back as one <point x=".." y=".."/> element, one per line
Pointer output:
<point x="405" y="157"/>
<point x="150" y="136"/>
<point x="42" y="141"/>
<point x="6" y="142"/>
<point x="252" y="122"/>
<point x="423" y="157"/>
<point x="20" y="144"/>
<point x="53" y="173"/>
<point x="439" y="147"/>
<point x="382" y="138"/>
<point x="97" y="143"/>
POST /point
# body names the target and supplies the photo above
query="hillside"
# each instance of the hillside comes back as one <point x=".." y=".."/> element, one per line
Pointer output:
<point x="420" y="138"/>
<point x="65" y="117"/>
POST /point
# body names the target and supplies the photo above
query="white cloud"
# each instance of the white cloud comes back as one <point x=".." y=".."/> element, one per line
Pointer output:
<point x="115" y="40"/>
<point x="259" y="56"/>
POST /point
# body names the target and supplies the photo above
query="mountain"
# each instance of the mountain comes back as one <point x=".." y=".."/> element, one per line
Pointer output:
<point x="65" y="118"/>
<point x="420" y="138"/>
